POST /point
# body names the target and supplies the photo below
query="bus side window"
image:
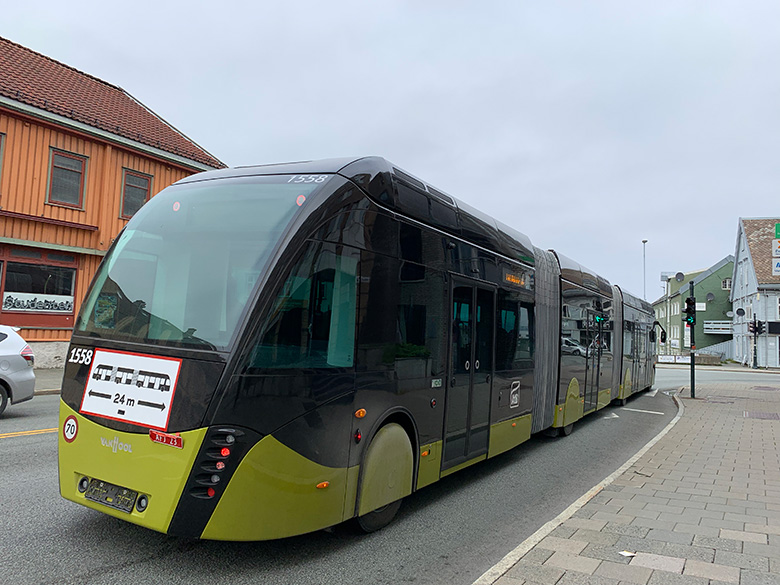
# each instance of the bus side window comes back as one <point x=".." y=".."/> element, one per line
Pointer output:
<point x="312" y="321"/>
<point x="515" y="332"/>
<point x="402" y="325"/>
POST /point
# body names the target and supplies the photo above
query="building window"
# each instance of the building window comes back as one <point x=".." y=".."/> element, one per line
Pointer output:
<point x="37" y="288"/>
<point x="136" y="189"/>
<point x="66" y="179"/>
<point x="726" y="284"/>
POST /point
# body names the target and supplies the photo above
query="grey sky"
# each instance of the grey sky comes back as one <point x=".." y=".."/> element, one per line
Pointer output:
<point x="589" y="126"/>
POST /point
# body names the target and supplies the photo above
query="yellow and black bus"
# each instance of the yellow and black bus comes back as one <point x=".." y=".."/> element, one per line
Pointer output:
<point x="267" y="351"/>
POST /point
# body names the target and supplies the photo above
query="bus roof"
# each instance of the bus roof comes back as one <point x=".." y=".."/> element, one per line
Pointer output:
<point x="374" y="174"/>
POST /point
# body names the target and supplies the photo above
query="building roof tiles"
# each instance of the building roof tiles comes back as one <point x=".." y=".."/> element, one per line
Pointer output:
<point x="39" y="81"/>
<point x="760" y="235"/>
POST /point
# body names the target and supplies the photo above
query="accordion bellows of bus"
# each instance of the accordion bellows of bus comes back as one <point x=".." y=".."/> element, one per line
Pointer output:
<point x="267" y="351"/>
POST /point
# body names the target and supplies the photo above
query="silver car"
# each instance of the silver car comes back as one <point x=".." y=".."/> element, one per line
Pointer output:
<point x="17" y="377"/>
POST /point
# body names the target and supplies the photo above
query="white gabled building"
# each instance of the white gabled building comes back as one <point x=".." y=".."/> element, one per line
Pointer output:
<point x="756" y="290"/>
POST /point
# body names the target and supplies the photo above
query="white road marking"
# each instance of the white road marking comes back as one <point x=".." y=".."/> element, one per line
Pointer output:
<point x="611" y="415"/>
<point x="652" y="393"/>
<point x="494" y="573"/>
<point x="645" y="411"/>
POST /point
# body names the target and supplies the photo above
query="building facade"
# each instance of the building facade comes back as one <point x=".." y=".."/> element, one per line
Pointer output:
<point x="78" y="157"/>
<point x="712" y="289"/>
<point x="756" y="291"/>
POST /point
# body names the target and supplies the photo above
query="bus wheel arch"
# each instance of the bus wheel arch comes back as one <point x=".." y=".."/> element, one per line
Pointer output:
<point x="387" y="472"/>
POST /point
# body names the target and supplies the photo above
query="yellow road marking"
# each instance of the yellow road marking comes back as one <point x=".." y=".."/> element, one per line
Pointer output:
<point x="28" y="433"/>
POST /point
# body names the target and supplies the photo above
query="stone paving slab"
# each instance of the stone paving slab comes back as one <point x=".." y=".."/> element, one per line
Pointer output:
<point x="699" y="507"/>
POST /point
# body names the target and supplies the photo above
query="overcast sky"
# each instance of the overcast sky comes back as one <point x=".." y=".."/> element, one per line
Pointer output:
<point x="589" y="126"/>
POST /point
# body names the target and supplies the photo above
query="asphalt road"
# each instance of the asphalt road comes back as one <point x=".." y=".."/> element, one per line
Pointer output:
<point x="450" y="532"/>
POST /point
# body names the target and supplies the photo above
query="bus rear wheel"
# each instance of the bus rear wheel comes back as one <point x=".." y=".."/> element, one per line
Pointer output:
<point x="566" y="430"/>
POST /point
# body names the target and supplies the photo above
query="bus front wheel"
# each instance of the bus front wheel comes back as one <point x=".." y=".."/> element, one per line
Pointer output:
<point x="386" y="477"/>
<point x="380" y="518"/>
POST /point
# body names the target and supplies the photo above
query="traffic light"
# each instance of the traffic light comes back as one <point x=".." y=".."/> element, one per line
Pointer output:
<point x="689" y="315"/>
<point x="751" y="327"/>
<point x="760" y="327"/>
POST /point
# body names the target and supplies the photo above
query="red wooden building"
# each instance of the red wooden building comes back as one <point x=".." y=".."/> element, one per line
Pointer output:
<point x="78" y="157"/>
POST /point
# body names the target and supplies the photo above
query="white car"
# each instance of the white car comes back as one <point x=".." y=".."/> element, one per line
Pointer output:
<point x="17" y="377"/>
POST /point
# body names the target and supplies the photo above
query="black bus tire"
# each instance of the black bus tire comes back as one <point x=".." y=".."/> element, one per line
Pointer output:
<point x="566" y="430"/>
<point x="378" y="519"/>
<point x="387" y="472"/>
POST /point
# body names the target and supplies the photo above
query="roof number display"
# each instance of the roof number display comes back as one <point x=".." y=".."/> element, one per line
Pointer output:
<point x="132" y="388"/>
<point x="308" y="179"/>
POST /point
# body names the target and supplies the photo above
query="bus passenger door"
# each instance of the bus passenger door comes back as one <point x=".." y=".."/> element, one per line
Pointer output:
<point x="467" y="409"/>
<point x="593" y="369"/>
<point x="640" y="364"/>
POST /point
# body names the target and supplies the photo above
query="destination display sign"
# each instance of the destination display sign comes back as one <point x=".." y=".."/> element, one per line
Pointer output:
<point x="132" y="388"/>
<point x="518" y="278"/>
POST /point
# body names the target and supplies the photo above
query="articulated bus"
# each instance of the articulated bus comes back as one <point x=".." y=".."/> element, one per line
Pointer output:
<point x="268" y="351"/>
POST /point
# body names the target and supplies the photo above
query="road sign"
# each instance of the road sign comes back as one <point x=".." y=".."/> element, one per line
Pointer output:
<point x="131" y="388"/>
<point x="776" y="248"/>
<point x="777" y="230"/>
<point x="776" y="267"/>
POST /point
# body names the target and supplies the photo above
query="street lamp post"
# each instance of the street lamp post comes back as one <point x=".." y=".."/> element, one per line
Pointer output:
<point x="644" y="270"/>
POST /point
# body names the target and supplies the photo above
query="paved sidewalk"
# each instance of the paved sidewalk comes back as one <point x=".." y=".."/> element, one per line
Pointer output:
<point x="48" y="380"/>
<point x="701" y="506"/>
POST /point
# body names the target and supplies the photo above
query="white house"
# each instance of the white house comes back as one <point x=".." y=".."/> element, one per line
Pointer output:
<point x="755" y="291"/>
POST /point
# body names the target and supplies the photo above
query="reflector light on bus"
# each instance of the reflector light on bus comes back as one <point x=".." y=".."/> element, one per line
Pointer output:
<point x="322" y="485"/>
<point x="142" y="503"/>
<point x="220" y="465"/>
<point x="358" y="436"/>
<point x="210" y="492"/>
<point x="360" y="413"/>
<point x="225" y="452"/>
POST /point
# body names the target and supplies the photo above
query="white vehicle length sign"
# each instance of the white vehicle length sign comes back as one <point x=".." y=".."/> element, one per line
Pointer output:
<point x="132" y="388"/>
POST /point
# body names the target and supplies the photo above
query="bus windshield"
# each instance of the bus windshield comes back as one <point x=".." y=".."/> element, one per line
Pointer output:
<point x="184" y="267"/>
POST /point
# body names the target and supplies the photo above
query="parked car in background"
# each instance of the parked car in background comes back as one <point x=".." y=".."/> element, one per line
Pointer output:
<point x="568" y="345"/>
<point x="17" y="377"/>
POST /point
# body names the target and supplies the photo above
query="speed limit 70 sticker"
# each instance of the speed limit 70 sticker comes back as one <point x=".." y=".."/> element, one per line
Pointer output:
<point x="70" y="429"/>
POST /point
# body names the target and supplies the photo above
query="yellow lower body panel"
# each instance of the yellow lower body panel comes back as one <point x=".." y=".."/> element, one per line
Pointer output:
<point x="571" y="410"/>
<point x="464" y="465"/>
<point x="129" y="460"/>
<point x="605" y="397"/>
<point x="430" y="464"/>
<point x="508" y="434"/>
<point x="627" y="388"/>
<point x="275" y="492"/>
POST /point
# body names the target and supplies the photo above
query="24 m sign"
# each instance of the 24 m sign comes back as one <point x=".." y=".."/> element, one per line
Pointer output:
<point x="129" y="387"/>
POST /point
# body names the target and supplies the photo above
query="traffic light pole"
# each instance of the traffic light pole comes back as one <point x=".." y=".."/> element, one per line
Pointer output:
<point x="693" y="346"/>
<point x="755" y="342"/>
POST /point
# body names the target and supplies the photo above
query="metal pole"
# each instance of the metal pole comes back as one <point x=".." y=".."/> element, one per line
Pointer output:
<point x="693" y="347"/>
<point x="644" y="270"/>
<point x="755" y="343"/>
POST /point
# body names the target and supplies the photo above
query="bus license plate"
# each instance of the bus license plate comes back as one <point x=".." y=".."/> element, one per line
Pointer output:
<point x="111" y="495"/>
